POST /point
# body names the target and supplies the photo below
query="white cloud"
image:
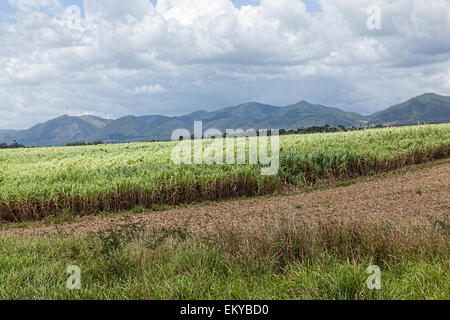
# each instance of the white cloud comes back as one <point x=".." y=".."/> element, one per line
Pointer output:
<point x="205" y="54"/>
<point x="147" y="89"/>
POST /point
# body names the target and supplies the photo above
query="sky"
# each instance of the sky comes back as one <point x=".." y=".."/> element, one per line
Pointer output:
<point x="173" y="57"/>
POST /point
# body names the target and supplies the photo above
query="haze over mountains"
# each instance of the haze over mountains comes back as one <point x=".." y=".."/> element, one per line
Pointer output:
<point x="427" y="108"/>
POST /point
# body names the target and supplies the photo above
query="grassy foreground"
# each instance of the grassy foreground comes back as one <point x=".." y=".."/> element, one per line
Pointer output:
<point x="41" y="182"/>
<point x="284" y="260"/>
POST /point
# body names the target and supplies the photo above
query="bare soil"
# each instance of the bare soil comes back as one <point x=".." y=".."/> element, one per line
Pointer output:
<point x="417" y="194"/>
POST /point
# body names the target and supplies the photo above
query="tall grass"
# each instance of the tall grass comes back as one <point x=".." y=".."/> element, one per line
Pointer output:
<point x="287" y="259"/>
<point x="39" y="182"/>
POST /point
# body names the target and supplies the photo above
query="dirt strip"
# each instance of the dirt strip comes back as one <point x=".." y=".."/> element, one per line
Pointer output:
<point x="416" y="194"/>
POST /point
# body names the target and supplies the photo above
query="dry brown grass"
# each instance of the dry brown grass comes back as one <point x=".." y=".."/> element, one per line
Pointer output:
<point x="289" y="239"/>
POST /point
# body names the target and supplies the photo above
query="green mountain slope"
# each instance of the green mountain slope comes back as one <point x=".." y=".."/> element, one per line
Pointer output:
<point x="58" y="131"/>
<point x="65" y="129"/>
<point x="428" y="108"/>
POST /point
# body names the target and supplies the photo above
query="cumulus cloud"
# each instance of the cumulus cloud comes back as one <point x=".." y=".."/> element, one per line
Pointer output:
<point x="177" y="56"/>
<point x="147" y="89"/>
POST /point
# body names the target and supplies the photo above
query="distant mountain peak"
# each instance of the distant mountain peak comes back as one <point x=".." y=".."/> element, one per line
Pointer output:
<point x="252" y="104"/>
<point x="429" y="94"/>
<point x="428" y="107"/>
<point x="64" y="116"/>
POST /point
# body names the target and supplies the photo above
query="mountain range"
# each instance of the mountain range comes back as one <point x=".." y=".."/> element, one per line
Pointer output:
<point x="427" y="108"/>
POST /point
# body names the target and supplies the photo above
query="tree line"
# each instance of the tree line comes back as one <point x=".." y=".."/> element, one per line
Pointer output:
<point x="14" y="145"/>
